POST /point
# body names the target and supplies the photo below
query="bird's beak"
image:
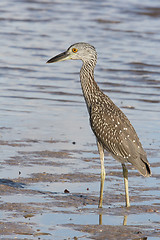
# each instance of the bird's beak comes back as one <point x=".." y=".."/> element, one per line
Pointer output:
<point x="60" y="57"/>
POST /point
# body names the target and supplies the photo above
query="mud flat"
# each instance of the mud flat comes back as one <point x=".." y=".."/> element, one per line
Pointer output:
<point x="51" y="205"/>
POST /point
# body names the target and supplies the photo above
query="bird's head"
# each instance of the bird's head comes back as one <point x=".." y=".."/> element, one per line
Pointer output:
<point x="78" y="51"/>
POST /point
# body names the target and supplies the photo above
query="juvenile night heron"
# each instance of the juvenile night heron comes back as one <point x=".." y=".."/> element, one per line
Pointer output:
<point x="112" y="129"/>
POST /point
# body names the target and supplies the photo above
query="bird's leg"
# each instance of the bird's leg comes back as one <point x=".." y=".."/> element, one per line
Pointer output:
<point x="125" y="175"/>
<point x="101" y="153"/>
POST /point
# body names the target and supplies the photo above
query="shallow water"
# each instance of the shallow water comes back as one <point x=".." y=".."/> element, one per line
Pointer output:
<point x="45" y="139"/>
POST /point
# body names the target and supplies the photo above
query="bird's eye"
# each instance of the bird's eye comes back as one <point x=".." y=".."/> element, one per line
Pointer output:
<point x="74" y="50"/>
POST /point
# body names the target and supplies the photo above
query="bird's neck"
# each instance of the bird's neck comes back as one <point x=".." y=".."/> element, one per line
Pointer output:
<point x="89" y="86"/>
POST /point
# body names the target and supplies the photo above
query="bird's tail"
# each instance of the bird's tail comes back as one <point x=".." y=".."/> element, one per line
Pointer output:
<point x="143" y="166"/>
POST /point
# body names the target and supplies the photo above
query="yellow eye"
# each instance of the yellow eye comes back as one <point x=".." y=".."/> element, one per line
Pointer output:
<point x="74" y="50"/>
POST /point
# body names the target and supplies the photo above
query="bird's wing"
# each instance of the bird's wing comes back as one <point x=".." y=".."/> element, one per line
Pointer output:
<point x="113" y="129"/>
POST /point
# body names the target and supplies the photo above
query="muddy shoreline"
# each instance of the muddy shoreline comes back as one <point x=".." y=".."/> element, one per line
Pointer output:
<point x="22" y="201"/>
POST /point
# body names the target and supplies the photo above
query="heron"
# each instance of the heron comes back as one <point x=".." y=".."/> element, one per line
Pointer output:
<point x="113" y="131"/>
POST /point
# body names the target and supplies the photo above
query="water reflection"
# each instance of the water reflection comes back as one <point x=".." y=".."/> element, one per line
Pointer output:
<point x="101" y="220"/>
<point x="125" y="220"/>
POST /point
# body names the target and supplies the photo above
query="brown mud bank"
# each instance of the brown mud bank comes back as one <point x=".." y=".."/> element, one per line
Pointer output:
<point x="53" y="205"/>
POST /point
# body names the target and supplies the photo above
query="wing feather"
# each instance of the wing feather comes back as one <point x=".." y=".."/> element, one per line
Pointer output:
<point x="113" y="129"/>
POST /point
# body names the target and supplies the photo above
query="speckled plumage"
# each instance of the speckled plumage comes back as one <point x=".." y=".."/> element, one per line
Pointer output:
<point x="111" y="127"/>
<point x="109" y="124"/>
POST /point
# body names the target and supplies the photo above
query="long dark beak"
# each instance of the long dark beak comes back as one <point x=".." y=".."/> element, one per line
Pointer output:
<point x="60" y="57"/>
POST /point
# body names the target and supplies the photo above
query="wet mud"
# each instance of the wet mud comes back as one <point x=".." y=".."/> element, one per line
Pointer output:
<point x="27" y="198"/>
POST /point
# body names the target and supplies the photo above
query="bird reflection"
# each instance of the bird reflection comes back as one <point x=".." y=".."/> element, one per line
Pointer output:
<point x="124" y="224"/>
<point x="100" y="219"/>
<point x="124" y="220"/>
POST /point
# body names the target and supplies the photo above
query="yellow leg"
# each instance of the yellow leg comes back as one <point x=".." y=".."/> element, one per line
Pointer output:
<point x="101" y="153"/>
<point x="125" y="175"/>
